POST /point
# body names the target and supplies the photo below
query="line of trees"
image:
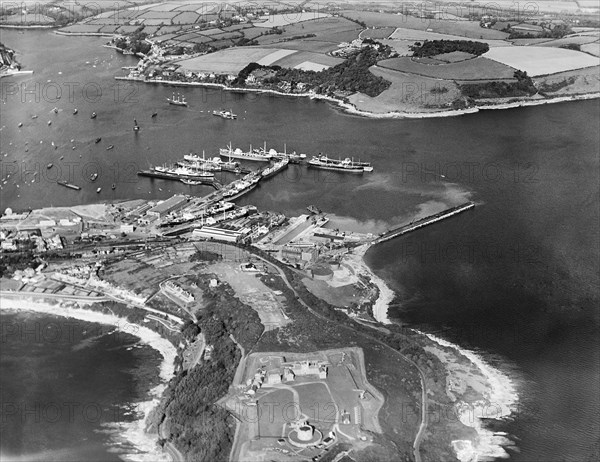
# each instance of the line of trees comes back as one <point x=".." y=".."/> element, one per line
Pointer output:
<point x="522" y="87"/>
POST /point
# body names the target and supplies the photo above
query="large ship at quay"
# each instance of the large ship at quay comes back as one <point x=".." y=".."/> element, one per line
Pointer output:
<point x="240" y="187"/>
<point x="257" y="155"/>
<point x="275" y="168"/>
<point x="292" y="157"/>
<point x="215" y="163"/>
<point x="346" y="165"/>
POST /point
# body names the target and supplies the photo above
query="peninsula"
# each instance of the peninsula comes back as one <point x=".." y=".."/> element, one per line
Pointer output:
<point x="281" y="334"/>
<point x="404" y="61"/>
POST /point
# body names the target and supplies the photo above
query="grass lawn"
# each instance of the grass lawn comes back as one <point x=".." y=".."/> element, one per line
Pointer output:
<point x="471" y="69"/>
<point x="276" y="408"/>
<point x="317" y="403"/>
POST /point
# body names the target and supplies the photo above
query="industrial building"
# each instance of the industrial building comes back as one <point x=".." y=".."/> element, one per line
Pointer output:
<point x="167" y="206"/>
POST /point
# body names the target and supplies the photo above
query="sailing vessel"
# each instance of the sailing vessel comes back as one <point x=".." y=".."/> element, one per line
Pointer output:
<point x="177" y="101"/>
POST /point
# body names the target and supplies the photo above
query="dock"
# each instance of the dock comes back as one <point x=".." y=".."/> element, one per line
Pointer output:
<point x="399" y="231"/>
<point x="174" y="177"/>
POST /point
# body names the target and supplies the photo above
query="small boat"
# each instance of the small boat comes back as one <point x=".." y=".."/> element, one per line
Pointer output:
<point x="55" y="110"/>
<point x="113" y="186"/>
<point x="191" y="182"/>
<point x="98" y="190"/>
<point x="49" y="165"/>
<point x="98" y="140"/>
<point x="110" y="147"/>
<point x="34" y="116"/>
<point x="93" y="116"/>
<point x="49" y="122"/>
<point x="69" y="185"/>
<point x="61" y="157"/>
<point x="136" y="127"/>
<point x="225" y="114"/>
<point x="20" y="124"/>
<point x="93" y="176"/>
<point x="154" y="114"/>
<point x="75" y="111"/>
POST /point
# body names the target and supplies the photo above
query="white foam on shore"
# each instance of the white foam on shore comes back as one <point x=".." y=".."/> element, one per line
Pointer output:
<point x="134" y="432"/>
<point x="499" y="402"/>
<point x="498" y="405"/>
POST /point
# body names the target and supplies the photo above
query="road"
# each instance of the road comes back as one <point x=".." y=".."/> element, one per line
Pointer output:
<point x="424" y="420"/>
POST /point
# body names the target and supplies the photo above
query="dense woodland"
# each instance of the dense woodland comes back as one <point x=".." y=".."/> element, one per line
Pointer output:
<point x="437" y="47"/>
<point x="352" y="75"/>
<point x="190" y="419"/>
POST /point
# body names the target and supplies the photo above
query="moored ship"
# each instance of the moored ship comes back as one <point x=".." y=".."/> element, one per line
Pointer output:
<point x="240" y="187"/>
<point x="184" y="172"/>
<point x="178" y="100"/>
<point x="345" y="165"/>
<point x="254" y="155"/>
<point x="275" y="168"/>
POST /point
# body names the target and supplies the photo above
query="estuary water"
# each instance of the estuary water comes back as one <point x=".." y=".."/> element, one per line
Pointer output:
<point x="516" y="279"/>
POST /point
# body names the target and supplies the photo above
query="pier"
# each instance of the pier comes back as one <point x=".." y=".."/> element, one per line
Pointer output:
<point x="399" y="231"/>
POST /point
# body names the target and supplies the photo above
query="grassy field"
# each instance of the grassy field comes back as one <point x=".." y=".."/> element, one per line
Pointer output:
<point x="408" y="93"/>
<point x="577" y="39"/>
<point x="287" y="19"/>
<point x="537" y="60"/>
<point x="379" y="33"/>
<point x="230" y="61"/>
<point x="471" y="69"/>
<point x="420" y="35"/>
<point x="334" y="30"/>
<point x="591" y="48"/>
<point x="277" y="399"/>
<point x="303" y="59"/>
<point x="583" y="81"/>
<point x="309" y="44"/>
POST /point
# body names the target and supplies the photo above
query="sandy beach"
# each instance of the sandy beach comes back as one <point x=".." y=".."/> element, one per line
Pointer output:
<point x="133" y="432"/>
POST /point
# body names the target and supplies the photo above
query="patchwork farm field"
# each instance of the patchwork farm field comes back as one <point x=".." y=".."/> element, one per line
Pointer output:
<point x="537" y="60"/>
<point x="470" y="29"/>
<point x="229" y="61"/>
<point x="327" y="29"/>
<point x="470" y="69"/>
<point x="287" y="19"/>
<point x="420" y="35"/>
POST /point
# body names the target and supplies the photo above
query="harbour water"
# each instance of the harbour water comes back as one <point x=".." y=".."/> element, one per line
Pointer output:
<point x="515" y="279"/>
